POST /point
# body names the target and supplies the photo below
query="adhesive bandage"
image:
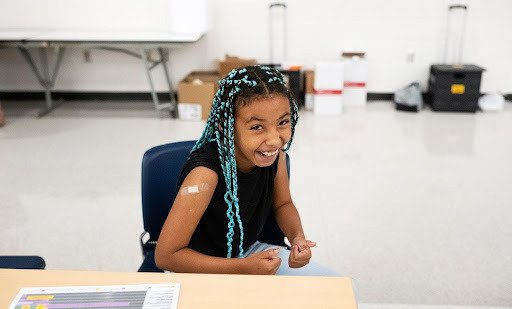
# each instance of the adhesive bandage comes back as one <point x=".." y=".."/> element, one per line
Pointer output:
<point x="194" y="189"/>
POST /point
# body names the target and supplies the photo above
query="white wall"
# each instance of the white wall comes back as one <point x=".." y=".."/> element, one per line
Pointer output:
<point x="318" y="30"/>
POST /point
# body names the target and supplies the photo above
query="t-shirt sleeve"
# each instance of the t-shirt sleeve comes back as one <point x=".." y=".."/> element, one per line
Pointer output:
<point x="206" y="156"/>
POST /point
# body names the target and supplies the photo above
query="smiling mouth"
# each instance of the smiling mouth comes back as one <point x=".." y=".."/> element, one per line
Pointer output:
<point x="269" y="154"/>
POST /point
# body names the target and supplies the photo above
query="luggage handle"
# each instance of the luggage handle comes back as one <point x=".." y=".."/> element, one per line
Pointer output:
<point x="277" y="4"/>
<point x="461" y="41"/>
<point x="271" y="35"/>
<point x="458" y="6"/>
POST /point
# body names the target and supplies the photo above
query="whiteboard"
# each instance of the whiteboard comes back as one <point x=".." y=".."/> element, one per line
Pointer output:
<point x="177" y="16"/>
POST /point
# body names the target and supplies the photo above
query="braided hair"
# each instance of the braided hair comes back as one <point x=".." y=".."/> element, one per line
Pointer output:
<point x="240" y="87"/>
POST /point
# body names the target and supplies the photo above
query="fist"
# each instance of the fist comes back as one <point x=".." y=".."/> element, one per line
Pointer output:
<point x="264" y="262"/>
<point x="300" y="252"/>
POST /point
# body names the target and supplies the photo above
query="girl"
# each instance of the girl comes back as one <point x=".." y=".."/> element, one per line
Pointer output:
<point x="235" y="176"/>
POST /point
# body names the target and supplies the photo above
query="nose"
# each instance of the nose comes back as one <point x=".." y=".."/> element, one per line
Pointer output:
<point x="273" y="139"/>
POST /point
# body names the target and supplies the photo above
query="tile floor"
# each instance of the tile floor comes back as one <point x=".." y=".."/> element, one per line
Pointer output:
<point x="416" y="207"/>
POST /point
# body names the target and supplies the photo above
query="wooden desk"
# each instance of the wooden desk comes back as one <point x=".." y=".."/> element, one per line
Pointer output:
<point x="200" y="290"/>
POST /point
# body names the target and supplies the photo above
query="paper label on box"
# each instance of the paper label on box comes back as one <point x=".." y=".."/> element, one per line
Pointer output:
<point x="458" y="89"/>
<point x="309" y="99"/>
<point x="189" y="111"/>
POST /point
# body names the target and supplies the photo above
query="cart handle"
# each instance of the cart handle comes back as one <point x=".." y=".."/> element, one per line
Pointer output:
<point x="458" y="6"/>
<point x="277" y="4"/>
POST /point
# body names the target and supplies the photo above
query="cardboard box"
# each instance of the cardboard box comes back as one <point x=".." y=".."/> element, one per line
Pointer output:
<point x="309" y="81"/>
<point x="309" y="89"/>
<point x="230" y="63"/>
<point x="195" y="95"/>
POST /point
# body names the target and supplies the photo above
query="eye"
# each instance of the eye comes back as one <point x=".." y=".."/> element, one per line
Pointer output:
<point x="256" y="127"/>
<point x="286" y="121"/>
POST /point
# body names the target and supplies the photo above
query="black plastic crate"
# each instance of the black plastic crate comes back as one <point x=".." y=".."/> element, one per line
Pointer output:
<point x="455" y="88"/>
<point x="467" y="102"/>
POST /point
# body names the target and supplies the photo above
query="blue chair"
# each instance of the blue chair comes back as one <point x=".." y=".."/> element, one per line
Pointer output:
<point x="22" y="262"/>
<point x="161" y="168"/>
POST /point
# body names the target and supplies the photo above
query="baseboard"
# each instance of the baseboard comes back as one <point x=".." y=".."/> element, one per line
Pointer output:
<point x="142" y="96"/>
<point x="119" y="96"/>
<point x="83" y="96"/>
<point x="379" y="96"/>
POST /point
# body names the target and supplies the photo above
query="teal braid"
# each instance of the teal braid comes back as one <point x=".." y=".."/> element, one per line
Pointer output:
<point x="220" y="128"/>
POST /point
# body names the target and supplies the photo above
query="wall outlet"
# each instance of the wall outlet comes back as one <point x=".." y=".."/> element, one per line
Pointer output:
<point x="87" y="56"/>
<point x="410" y="56"/>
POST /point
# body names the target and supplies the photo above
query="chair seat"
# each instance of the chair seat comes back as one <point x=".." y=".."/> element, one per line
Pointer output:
<point x="22" y="262"/>
<point x="149" y="265"/>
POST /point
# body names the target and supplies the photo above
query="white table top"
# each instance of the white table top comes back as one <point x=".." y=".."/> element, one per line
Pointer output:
<point x="17" y="35"/>
<point x="97" y="36"/>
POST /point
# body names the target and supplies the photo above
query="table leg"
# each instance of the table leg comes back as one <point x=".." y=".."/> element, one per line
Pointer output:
<point x="158" y="106"/>
<point x="44" y="76"/>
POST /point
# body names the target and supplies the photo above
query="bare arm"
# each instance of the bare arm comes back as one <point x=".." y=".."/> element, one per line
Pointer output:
<point x="172" y="252"/>
<point x="285" y="212"/>
<point x="288" y="218"/>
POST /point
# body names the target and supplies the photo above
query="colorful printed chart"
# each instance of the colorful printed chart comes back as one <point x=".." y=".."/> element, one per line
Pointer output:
<point x="155" y="296"/>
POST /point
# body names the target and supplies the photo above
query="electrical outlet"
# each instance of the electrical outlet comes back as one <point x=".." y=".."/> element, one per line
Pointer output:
<point x="410" y="56"/>
<point x="87" y="56"/>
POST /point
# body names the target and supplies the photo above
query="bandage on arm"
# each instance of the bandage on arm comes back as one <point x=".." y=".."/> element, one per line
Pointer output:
<point x="195" y="189"/>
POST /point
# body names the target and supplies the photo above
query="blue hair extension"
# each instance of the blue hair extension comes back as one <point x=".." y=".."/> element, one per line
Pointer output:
<point x="220" y="128"/>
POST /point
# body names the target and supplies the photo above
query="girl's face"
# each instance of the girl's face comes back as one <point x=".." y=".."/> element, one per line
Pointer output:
<point x="262" y="128"/>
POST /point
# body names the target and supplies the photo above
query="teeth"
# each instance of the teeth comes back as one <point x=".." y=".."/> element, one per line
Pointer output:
<point x="269" y="153"/>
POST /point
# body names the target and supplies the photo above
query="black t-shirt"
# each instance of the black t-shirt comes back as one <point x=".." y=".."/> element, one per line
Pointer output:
<point x="255" y="199"/>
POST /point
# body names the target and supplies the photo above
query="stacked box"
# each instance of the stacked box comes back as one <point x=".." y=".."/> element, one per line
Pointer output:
<point x="309" y="89"/>
<point x="195" y="95"/>
<point x="328" y="87"/>
<point x="355" y="76"/>
<point x="224" y="67"/>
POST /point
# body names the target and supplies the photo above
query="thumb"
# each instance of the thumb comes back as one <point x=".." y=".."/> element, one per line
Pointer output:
<point x="270" y="253"/>
<point x="311" y="243"/>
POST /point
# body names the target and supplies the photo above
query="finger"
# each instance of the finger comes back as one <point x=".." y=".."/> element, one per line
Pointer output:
<point x="311" y="243"/>
<point x="276" y="265"/>
<point x="301" y="244"/>
<point x="304" y="255"/>
<point x="270" y="253"/>
<point x="295" y="251"/>
<point x="303" y="248"/>
<point x="297" y="264"/>
<point x="276" y="261"/>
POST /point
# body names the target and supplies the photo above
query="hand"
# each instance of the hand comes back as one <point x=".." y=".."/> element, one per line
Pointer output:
<point x="300" y="252"/>
<point x="264" y="262"/>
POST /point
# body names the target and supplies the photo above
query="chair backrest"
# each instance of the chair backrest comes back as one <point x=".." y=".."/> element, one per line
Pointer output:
<point x="22" y="262"/>
<point x="161" y="168"/>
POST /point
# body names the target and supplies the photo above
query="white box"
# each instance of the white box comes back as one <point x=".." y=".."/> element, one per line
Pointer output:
<point x="328" y="104"/>
<point x="328" y="88"/>
<point x="354" y="96"/>
<point x="356" y="74"/>
<point x="329" y="75"/>
<point x="189" y="111"/>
